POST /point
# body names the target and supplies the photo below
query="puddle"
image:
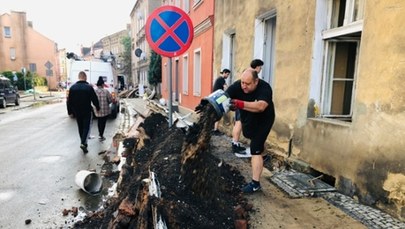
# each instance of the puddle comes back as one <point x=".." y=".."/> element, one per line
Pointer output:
<point x="6" y="195"/>
<point x="49" y="159"/>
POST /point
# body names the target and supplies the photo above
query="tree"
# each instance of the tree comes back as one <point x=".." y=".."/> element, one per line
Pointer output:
<point x="126" y="57"/>
<point x="155" y="69"/>
<point x="30" y="78"/>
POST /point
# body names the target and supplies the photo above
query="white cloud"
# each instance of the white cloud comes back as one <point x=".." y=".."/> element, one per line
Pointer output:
<point x="72" y="23"/>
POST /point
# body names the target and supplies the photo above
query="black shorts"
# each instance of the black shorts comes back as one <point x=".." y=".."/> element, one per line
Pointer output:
<point x="258" y="139"/>
<point x="237" y="115"/>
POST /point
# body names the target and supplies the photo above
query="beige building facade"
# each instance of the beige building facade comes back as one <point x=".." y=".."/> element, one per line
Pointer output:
<point x="336" y="68"/>
<point x="23" y="47"/>
<point x="140" y="47"/>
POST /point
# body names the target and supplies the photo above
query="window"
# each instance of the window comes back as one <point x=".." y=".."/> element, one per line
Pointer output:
<point x="33" y="67"/>
<point x="228" y="53"/>
<point x="12" y="54"/>
<point x="186" y="6"/>
<point x="264" y="49"/>
<point x="197" y="3"/>
<point x="341" y="48"/>
<point x="340" y="80"/>
<point x="185" y="75"/>
<point x="197" y="73"/>
<point x="7" y="31"/>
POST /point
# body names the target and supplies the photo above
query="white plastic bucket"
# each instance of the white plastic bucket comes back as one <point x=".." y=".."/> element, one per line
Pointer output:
<point x="89" y="182"/>
<point x="220" y="101"/>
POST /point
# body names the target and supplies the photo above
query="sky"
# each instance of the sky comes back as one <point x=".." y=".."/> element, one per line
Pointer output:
<point x="72" y="23"/>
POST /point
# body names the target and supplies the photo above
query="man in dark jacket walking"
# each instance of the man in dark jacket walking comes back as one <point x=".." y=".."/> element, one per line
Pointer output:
<point x="81" y="95"/>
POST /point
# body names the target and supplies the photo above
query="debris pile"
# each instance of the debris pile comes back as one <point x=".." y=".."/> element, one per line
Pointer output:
<point x="171" y="179"/>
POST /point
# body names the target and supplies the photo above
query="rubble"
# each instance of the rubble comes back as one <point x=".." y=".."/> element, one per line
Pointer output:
<point x="171" y="179"/>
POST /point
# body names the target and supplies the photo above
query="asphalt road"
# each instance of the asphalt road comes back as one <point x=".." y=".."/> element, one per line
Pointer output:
<point x="39" y="158"/>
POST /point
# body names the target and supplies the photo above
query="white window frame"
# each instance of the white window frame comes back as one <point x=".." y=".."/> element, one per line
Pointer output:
<point x="186" y="6"/>
<point x="265" y="35"/>
<point x="331" y="36"/>
<point x="330" y="79"/>
<point x="185" y="75"/>
<point x="12" y="54"/>
<point x="197" y="3"/>
<point x="197" y="72"/>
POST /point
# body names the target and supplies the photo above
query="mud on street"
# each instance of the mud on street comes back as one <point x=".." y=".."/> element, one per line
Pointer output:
<point x="190" y="179"/>
<point x="194" y="188"/>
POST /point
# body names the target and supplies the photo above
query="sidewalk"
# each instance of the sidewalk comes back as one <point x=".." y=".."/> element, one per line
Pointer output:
<point x="29" y="100"/>
<point x="291" y="199"/>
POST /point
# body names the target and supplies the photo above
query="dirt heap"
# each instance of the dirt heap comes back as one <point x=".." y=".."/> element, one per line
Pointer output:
<point x="194" y="189"/>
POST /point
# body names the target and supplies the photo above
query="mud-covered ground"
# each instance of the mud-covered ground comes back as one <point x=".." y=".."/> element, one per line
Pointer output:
<point x="194" y="188"/>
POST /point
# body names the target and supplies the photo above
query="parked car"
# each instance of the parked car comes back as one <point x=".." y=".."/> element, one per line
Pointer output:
<point x="8" y="93"/>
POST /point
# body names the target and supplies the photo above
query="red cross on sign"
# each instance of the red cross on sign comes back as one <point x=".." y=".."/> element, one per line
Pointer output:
<point x="169" y="31"/>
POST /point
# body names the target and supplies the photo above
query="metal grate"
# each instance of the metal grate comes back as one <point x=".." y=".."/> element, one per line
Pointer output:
<point x="299" y="185"/>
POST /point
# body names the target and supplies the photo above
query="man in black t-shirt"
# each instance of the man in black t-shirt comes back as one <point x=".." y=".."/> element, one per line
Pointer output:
<point x="81" y="96"/>
<point x="220" y="83"/>
<point x="253" y="97"/>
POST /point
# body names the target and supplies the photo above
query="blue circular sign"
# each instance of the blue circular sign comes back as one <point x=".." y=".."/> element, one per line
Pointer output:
<point x="169" y="31"/>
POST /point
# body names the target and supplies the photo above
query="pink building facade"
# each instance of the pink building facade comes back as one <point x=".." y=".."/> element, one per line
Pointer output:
<point x="23" y="47"/>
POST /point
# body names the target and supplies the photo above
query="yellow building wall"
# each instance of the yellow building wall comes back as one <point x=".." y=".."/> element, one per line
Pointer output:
<point x="365" y="156"/>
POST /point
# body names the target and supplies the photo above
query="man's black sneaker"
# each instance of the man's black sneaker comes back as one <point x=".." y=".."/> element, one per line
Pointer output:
<point x="217" y="132"/>
<point x="236" y="148"/>
<point x="84" y="148"/>
<point x="251" y="188"/>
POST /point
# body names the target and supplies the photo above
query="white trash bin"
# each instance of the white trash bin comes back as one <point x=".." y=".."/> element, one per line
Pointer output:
<point x="89" y="182"/>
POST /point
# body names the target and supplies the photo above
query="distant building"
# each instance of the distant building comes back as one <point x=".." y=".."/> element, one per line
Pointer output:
<point x="22" y="46"/>
<point x="140" y="64"/>
<point x="192" y="71"/>
<point x="113" y="48"/>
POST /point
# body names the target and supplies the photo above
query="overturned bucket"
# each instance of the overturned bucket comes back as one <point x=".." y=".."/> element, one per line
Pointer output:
<point x="89" y="182"/>
<point x="220" y="101"/>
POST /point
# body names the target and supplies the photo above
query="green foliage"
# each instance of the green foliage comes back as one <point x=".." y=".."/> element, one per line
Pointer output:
<point x="126" y="57"/>
<point x="29" y="79"/>
<point x="155" y="69"/>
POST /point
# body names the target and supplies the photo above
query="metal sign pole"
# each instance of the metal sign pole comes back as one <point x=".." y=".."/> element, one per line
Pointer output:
<point x="170" y="93"/>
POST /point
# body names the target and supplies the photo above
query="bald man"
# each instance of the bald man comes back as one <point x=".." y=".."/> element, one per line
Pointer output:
<point x="253" y="97"/>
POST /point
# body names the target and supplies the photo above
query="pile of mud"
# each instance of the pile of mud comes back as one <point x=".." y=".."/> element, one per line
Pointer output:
<point x="192" y="188"/>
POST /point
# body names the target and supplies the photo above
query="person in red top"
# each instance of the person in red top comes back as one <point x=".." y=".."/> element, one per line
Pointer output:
<point x="104" y="98"/>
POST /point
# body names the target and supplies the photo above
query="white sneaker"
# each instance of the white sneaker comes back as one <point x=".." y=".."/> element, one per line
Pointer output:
<point x="244" y="154"/>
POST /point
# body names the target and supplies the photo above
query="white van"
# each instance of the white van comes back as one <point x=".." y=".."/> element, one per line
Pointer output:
<point x="93" y="70"/>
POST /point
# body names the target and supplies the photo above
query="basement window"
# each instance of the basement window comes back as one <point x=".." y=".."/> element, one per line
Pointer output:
<point x="342" y="45"/>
